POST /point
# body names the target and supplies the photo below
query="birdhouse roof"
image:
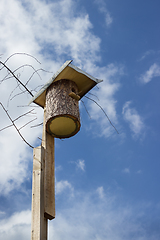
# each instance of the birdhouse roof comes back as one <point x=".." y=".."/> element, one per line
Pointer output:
<point x="84" y="81"/>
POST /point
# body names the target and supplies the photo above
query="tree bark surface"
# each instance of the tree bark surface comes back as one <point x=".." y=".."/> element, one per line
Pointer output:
<point x="59" y="103"/>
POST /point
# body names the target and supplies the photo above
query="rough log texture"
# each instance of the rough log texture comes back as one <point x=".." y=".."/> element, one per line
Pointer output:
<point x="60" y="101"/>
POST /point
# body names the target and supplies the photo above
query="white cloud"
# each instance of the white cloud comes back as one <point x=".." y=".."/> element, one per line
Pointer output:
<point x="2" y="213"/>
<point x="104" y="96"/>
<point x="81" y="164"/>
<point x="147" y="53"/>
<point x="100" y="191"/>
<point x="15" y="154"/>
<point x="37" y="28"/>
<point x="103" y="9"/>
<point x="69" y="34"/>
<point x="59" y="168"/>
<point x="154" y="71"/>
<point x="18" y="226"/>
<point x="14" y="167"/>
<point x="126" y="170"/>
<point x="42" y="25"/>
<point x="87" y="217"/>
<point x="133" y="118"/>
<point x="62" y="185"/>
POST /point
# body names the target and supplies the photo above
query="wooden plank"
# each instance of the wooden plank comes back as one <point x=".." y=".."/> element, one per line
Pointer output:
<point x="49" y="174"/>
<point x="39" y="222"/>
<point x="36" y="184"/>
<point x="49" y="179"/>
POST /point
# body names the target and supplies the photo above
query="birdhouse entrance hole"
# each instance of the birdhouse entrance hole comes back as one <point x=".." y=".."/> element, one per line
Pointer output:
<point x="62" y="109"/>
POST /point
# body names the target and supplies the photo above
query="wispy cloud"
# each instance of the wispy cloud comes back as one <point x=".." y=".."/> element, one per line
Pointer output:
<point x="103" y="9"/>
<point x="105" y="97"/>
<point x="13" y="170"/>
<point x="62" y="185"/>
<point x="153" y="71"/>
<point x="81" y="164"/>
<point x="2" y="213"/>
<point x="16" y="226"/>
<point x="147" y="53"/>
<point x="100" y="191"/>
<point x="86" y="216"/>
<point x="126" y="170"/>
<point x="133" y="118"/>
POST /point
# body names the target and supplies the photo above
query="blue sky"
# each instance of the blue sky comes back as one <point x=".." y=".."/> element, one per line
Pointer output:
<point x="107" y="184"/>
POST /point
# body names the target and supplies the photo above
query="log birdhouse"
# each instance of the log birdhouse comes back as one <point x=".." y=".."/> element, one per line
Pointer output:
<point x="60" y="96"/>
<point x="62" y="109"/>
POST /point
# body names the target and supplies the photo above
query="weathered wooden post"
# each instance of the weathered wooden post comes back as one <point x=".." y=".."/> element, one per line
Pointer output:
<point x="59" y="97"/>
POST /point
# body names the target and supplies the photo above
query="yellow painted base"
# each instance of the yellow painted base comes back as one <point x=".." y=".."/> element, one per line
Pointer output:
<point x="64" y="126"/>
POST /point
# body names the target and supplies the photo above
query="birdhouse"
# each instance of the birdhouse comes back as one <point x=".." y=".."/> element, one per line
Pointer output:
<point x="60" y="96"/>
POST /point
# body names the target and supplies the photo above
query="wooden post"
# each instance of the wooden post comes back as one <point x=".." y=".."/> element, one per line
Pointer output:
<point x="49" y="173"/>
<point x="43" y="186"/>
<point x="39" y="222"/>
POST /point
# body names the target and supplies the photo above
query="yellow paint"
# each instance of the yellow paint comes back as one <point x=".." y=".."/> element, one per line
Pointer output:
<point x="64" y="126"/>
